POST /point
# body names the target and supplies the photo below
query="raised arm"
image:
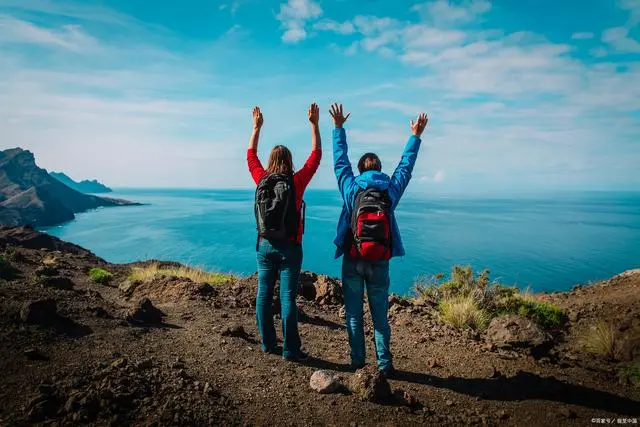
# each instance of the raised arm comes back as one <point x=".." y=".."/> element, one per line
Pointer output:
<point x="313" y="162"/>
<point x="255" y="167"/>
<point x="341" y="163"/>
<point x="402" y="175"/>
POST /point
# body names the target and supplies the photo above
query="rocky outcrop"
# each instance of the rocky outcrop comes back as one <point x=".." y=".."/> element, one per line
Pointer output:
<point x="29" y="195"/>
<point x="513" y="331"/>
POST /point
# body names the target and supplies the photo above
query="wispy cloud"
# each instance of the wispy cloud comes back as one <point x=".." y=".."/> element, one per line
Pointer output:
<point x="294" y="15"/>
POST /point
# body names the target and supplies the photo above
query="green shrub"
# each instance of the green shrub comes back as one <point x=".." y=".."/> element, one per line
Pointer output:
<point x="100" y="275"/>
<point x="463" y="286"/>
<point x="546" y="315"/>
<point x="631" y="375"/>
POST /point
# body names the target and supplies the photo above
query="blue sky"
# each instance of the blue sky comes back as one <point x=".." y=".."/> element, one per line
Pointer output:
<point x="521" y="95"/>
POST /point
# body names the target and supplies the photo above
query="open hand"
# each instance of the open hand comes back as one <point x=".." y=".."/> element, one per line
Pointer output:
<point x="257" y="118"/>
<point x="314" y="114"/>
<point x="338" y="117"/>
<point x="418" y="126"/>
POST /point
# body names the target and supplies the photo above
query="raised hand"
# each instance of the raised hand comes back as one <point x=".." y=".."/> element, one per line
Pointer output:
<point x="418" y="126"/>
<point x="338" y="117"/>
<point x="314" y="114"/>
<point x="257" y="118"/>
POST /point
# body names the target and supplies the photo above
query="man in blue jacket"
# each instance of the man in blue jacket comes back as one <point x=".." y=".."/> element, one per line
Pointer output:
<point x="356" y="271"/>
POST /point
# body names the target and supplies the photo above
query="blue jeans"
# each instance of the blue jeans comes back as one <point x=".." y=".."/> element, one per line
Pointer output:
<point x="275" y="258"/>
<point x="355" y="274"/>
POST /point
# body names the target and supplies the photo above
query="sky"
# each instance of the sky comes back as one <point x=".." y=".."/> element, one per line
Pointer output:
<point x="521" y="96"/>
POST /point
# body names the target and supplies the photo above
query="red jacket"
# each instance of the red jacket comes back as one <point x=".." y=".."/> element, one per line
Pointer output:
<point x="300" y="179"/>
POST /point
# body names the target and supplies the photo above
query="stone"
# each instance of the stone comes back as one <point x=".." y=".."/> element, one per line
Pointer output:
<point x="307" y="288"/>
<point x="128" y="287"/>
<point x="145" y="313"/>
<point x="432" y="363"/>
<point x="234" y="330"/>
<point x="567" y="412"/>
<point x="328" y="291"/>
<point x="369" y="383"/>
<point x="40" y="312"/>
<point x="515" y="331"/>
<point x="323" y="382"/>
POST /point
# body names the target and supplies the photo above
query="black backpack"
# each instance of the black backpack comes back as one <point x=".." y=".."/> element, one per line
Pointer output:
<point x="275" y="207"/>
<point x="371" y="225"/>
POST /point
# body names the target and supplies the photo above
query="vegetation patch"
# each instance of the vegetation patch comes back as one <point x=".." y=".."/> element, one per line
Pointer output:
<point x="463" y="311"/>
<point x="468" y="299"/>
<point x="196" y="275"/>
<point x="600" y="340"/>
<point x="630" y="375"/>
<point x="100" y="275"/>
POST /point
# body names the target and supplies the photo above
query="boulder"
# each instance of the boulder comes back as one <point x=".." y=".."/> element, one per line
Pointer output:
<point x="307" y="288"/>
<point x="515" y="331"/>
<point x="328" y="291"/>
<point x="370" y="384"/>
<point x="128" y="287"/>
<point x="145" y="313"/>
<point x="40" y="312"/>
<point x="323" y="382"/>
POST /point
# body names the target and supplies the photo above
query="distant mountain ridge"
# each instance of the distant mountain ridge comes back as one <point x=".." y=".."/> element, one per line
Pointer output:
<point x="29" y="195"/>
<point x="85" y="186"/>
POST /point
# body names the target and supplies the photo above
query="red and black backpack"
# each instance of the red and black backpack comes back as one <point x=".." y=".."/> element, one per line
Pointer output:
<point x="371" y="225"/>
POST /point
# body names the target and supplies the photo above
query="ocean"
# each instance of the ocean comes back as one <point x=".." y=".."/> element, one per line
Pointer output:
<point x="541" y="242"/>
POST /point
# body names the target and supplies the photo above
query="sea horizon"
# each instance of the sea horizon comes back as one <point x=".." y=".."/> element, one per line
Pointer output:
<point x="534" y="240"/>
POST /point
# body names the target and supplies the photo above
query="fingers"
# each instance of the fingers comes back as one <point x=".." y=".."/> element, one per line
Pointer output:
<point x="347" y="116"/>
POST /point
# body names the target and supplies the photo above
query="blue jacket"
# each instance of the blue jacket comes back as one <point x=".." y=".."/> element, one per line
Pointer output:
<point x="350" y="185"/>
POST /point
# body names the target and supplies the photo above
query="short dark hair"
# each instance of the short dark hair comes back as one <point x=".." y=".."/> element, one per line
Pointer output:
<point x="368" y="162"/>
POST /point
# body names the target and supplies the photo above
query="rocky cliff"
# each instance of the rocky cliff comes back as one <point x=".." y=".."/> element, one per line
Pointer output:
<point x="29" y="195"/>
<point x="84" y="186"/>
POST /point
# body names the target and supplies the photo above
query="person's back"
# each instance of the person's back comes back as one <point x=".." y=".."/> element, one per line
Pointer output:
<point x="279" y="215"/>
<point x="368" y="235"/>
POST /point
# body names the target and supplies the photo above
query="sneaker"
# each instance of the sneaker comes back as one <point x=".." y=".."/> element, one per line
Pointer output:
<point x="388" y="372"/>
<point x="300" y="356"/>
<point x="356" y="366"/>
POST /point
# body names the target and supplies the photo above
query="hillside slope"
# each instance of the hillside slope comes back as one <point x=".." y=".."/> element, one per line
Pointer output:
<point x="85" y="186"/>
<point x="29" y="195"/>
<point x="78" y="352"/>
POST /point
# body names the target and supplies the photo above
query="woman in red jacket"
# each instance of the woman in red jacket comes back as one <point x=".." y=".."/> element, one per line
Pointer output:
<point x="282" y="256"/>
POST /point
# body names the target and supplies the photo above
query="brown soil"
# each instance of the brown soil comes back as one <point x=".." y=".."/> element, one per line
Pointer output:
<point x="85" y="363"/>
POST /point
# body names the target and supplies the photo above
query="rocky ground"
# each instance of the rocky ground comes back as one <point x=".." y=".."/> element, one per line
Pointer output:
<point x="174" y="352"/>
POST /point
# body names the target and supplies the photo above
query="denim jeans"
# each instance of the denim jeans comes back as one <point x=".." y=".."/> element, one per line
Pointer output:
<point x="355" y="274"/>
<point x="283" y="258"/>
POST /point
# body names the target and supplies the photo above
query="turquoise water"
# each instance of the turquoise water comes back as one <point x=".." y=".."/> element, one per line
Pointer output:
<point x="547" y="242"/>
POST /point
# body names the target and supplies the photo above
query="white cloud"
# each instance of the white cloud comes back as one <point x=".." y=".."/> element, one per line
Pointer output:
<point x="335" y="26"/>
<point x="445" y="12"/>
<point x="294" y="15"/>
<point x="70" y="37"/>
<point x="618" y="39"/>
<point x="582" y="36"/>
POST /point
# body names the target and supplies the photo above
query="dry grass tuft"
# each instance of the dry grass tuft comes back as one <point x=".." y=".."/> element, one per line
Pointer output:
<point x="600" y="340"/>
<point x="49" y="259"/>
<point x="463" y="312"/>
<point x="196" y="275"/>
